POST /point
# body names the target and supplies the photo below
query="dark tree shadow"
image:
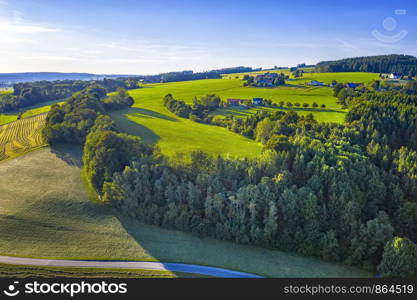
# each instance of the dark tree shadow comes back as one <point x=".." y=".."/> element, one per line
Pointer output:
<point x="71" y="154"/>
<point x="128" y="126"/>
<point x="146" y="113"/>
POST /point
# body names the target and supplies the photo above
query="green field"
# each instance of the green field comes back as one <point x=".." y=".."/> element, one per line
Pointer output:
<point x="150" y="119"/>
<point x="45" y="212"/>
<point x="22" y="136"/>
<point x="6" y="90"/>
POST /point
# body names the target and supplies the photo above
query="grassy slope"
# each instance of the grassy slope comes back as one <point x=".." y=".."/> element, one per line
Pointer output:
<point x="150" y="119"/>
<point x="44" y="212"/>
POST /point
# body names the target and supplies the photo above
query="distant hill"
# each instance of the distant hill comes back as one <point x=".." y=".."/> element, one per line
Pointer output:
<point x="402" y="64"/>
<point x="8" y="79"/>
<point x="11" y="78"/>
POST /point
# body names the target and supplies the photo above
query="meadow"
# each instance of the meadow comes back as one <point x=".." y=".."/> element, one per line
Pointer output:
<point x="309" y="74"/>
<point x="49" y="213"/>
<point x="150" y="119"/>
<point x="21" y="136"/>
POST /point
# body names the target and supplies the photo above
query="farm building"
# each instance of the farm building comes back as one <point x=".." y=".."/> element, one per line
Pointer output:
<point x="316" y="83"/>
<point x="258" y="101"/>
<point x="352" y="85"/>
<point x="395" y="76"/>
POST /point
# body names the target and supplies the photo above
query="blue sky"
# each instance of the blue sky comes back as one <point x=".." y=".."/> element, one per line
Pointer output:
<point x="148" y="37"/>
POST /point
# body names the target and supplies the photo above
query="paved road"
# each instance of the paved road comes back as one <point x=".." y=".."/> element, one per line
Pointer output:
<point x="174" y="267"/>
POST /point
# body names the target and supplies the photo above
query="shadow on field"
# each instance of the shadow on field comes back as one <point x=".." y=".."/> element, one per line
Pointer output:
<point x="158" y="242"/>
<point x="128" y="126"/>
<point x="146" y="113"/>
<point x="71" y="154"/>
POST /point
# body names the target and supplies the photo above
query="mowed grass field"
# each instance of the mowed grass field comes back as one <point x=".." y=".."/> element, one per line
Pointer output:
<point x="342" y="77"/>
<point x="21" y="136"/>
<point x="45" y="211"/>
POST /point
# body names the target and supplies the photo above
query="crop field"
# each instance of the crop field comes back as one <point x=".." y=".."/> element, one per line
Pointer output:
<point x="343" y="77"/>
<point x="21" y="136"/>
<point x="45" y="211"/>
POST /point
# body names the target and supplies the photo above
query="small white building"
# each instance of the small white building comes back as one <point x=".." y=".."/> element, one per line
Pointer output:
<point x="395" y="76"/>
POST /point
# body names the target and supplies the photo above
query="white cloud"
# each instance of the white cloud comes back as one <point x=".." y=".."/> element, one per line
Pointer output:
<point x="21" y="28"/>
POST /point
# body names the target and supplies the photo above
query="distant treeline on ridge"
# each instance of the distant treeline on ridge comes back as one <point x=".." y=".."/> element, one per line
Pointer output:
<point x="402" y="64"/>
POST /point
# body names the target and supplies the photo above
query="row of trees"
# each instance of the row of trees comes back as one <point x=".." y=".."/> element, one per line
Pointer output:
<point x="198" y="111"/>
<point x="30" y="93"/>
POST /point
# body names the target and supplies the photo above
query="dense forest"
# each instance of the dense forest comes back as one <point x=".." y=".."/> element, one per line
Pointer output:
<point x="401" y="64"/>
<point x="340" y="192"/>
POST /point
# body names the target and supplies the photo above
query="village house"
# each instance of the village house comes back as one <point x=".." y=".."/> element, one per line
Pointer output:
<point x="395" y="76"/>
<point x="316" y="83"/>
<point x="258" y="101"/>
<point x="266" y="79"/>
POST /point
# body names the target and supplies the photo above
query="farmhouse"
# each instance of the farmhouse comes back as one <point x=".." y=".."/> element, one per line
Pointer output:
<point x="316" y="83"/>
<point x="258" y="101"/>
<point x="395" y="76"/>
<point x="266" y="79"/>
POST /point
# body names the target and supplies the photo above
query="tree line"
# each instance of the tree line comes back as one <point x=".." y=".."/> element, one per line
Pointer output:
<point x="30" y="93"/>
<point x="401" y="64"/>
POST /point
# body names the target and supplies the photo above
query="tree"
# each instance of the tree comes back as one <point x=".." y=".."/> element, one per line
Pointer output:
<point x="264" y="130"/>
<point x="305" y="105"/>
<point x="315" y="105"/>
<point x="289" y="104"/>
<point x="399" y="259"/>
